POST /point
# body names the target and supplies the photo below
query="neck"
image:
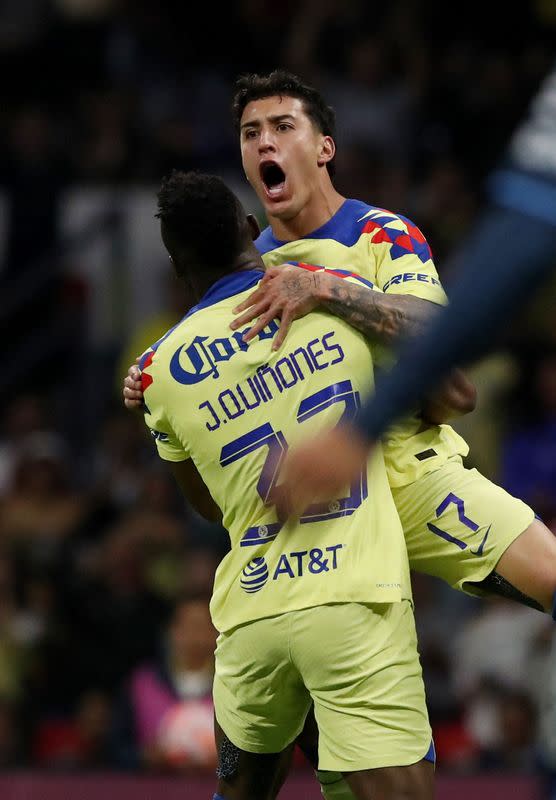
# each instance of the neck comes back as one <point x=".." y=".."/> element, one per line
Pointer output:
<point x="321" y="206"/>
<point x="198" y="285"/>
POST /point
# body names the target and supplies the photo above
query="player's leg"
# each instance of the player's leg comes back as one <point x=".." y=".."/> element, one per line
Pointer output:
<point x="369" y="698"/>
<point x="260" y="706"/>
<point x="527" y="567"/>
<point x="461" y="527"/>
<point x="333" y="785"/>
<point x="414" y="782"/>
<point x="248" y="776"/>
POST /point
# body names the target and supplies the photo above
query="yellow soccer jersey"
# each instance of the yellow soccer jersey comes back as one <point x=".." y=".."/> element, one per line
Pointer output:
<point x="235" y="409"/>
<point x="391" y="254"/>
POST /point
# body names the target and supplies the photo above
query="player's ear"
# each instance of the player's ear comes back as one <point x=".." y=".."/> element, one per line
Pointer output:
<point x="254" y="226"/>
<point x="327" y="150"/>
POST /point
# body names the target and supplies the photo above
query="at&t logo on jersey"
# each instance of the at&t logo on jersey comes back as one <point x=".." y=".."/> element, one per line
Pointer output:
<point x="296" y="564"/>
<point x="254" y="576"/>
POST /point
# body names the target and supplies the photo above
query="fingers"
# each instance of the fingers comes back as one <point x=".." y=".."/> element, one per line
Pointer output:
<point x="249" y="315"/>
<point x="253" y="298"/>
<point x="285" y="322"/>
<point x="133" y="390"/>
<point x="261" y="323"/>
<point x="134" y="383"/>
<point x="272" y="272"/>
<point x="132" y="405"/>
<point x="134" y="372"/>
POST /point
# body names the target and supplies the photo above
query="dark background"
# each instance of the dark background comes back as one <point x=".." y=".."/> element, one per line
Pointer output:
<point x="101" y="98"/>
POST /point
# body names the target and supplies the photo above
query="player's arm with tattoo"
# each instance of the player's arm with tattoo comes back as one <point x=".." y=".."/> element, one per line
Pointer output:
<point x="383" y="317"/>
<point x="290" y="292"/>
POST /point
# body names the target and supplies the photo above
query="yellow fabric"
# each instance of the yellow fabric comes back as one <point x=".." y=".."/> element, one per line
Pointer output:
<point x="391" y="255"/>
<point x="369" y="705"/>
<point x="458" y="524"/>
<point x="234" y="410"/>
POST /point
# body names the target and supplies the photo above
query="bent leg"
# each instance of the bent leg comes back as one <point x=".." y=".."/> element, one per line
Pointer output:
<point x="461" y="527"/>
<point x="529" y="564"/>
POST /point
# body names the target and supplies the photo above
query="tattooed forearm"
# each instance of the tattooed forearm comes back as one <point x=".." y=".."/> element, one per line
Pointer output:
<point x="383" y="317"/>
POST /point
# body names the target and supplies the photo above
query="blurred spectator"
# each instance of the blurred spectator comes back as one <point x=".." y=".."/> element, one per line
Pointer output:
<point x="515" y="743"/>
<point x="446" y="206"/>
<point x="13" y="660"/>
<point x="498" y="656"/>
<point x="41" y="508"/>
<point x="11" y="744"/>
<point x="119" y="459"/>
<point x="32" y="175"/>
<point x="24" y="415"/>
<point x="110" y="599"/>
<point x="107" y="144"/>
<point x="75" y="742"/>
<point x="499" y="643"/>
<point x="547" y="714"/>
<point x="165" y="716"/>
<point x="200" y="564"/>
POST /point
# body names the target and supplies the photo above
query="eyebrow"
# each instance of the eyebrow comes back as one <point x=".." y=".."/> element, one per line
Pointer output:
<point x="272" y="118"/>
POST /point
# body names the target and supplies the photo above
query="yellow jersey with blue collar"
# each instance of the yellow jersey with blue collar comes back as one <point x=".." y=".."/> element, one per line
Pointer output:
<point x="388" y="253"/>
<point x="234" y="409"/>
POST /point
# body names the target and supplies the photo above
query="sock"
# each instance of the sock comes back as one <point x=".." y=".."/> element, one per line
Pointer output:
<point x="333" y="786"/>
<point x="554" y="606"/>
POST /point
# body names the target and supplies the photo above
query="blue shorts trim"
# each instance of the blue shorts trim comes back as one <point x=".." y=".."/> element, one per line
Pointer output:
<point x="430" y="754"/>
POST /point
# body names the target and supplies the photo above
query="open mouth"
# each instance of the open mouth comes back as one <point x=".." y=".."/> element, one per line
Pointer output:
<point x="273" y="177"/>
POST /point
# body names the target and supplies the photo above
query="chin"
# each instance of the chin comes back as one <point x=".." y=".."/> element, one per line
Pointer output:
<point x="284" y="210"/>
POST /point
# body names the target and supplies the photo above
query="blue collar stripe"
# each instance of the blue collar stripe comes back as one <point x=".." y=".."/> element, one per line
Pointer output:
<point x="344" y="227"/>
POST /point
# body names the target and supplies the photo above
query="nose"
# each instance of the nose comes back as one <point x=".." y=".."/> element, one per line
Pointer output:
<point x="266" y="142"/>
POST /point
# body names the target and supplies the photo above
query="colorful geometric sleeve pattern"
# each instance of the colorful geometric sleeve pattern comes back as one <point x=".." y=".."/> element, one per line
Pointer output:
<point x="402" y="256"/>
<point x="384" y="227"/>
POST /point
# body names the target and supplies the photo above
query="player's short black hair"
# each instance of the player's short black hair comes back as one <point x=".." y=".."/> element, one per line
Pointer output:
<point x="281" y="83"/>
<point x="201" y="217"/>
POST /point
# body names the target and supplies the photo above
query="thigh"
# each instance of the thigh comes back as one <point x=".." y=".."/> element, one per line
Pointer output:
<point x="361" y="666"/>
<point x="458" y="524"/>
<point x="527" y="569"/>
<point x="260" y="701"/>
<point x="414" y="782"/>
<point x="308" y="739"/>
<point x="249" y="776"/>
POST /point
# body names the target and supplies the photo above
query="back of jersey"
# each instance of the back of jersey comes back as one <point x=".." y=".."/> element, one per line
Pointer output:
<point x="235" y="409"/>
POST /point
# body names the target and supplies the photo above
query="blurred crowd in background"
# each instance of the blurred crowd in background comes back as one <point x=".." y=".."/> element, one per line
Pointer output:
<point x="105" y="572"/>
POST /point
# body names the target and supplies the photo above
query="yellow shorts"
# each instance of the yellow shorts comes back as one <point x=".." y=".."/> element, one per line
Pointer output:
<point x="357" y="663"/>
<point x="457" y="524"/>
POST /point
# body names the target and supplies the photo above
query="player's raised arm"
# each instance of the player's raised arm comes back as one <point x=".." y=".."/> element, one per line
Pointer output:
<point x="289" y="292"/>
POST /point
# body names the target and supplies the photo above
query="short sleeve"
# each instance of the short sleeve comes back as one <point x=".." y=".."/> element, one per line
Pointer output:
<point x="167" y="443"/>
<point x="403" y="258"/>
